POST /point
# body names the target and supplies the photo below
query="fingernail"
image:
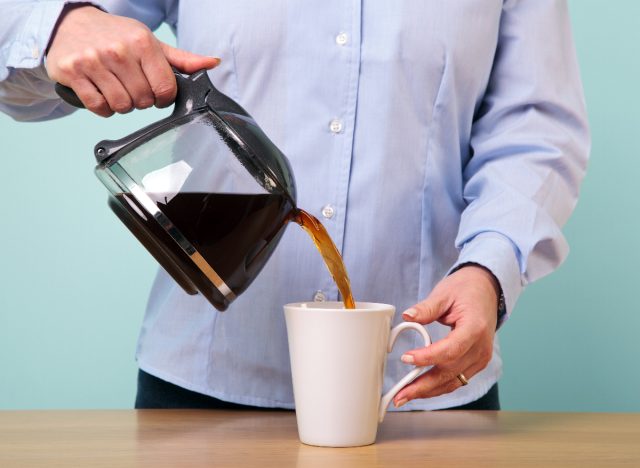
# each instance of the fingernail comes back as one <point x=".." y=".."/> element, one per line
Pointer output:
<point x="411" y="313"/>
<point x="400" y="403"/>
<point x="407" y="359"/>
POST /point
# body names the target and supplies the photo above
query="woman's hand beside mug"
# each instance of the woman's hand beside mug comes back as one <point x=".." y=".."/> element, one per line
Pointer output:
<point x="467" y="301"/>
<point x="115" y="64"/>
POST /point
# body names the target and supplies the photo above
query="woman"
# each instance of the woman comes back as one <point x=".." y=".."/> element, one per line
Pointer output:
<point x="441" y="143"/>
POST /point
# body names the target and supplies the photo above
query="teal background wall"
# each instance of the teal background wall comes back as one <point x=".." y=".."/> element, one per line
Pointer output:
<point x="73" y="282"/>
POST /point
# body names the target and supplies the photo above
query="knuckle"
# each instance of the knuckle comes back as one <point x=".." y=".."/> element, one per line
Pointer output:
<point x="141" y="38"/>
<point x="164" y="90"/>
<point x="115" y="52"/>
<point x="418" y="387"/>
<point x="451" y="386"/>
<point x="427" y="358"/>
<point x="89" y="58"/>
<point x="419" y="359"/>
<point x="447" y="378"/>
<point x="61" y="68"/>
<point x="144" y="103"/>
<point x="476" y="333"/>
<point x="453" y="352"/>
<point x="95" y="104"/>
<point x="485" y="356"/>
<point x="69" y="65"/>
<point x="121" y="107"/>
<point x="426" y="310"/>
<point x="487" y="331"/>
<point x="418" y="391"/>
<point x="56" y="74"/>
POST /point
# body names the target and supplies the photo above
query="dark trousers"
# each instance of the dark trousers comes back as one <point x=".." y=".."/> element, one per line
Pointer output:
<point x="157" y="393"/>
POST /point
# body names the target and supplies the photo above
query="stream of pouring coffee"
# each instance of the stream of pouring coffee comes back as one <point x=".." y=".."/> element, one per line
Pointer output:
<point x="330" y="254"/>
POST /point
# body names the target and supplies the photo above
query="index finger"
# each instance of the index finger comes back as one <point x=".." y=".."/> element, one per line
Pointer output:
<point x="449" y="349"/>
<point x="160" y="77"/>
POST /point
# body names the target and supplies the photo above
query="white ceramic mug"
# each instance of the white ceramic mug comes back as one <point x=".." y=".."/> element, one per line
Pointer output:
<point x="338" y="358"/>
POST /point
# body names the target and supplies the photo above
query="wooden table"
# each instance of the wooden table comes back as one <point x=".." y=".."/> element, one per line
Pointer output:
<point x="269" y="439"/>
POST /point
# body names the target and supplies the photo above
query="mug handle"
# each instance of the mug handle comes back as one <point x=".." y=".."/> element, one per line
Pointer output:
<point x="411" y="376"/>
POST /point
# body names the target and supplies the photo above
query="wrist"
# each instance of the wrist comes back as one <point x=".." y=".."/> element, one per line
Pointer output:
<point x="486" y="274"/>
<point x="66" y="10"/>
<point x="492" y="280"/>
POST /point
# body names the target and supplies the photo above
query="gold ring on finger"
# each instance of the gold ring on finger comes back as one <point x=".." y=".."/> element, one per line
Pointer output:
<point x="463" y="380"/>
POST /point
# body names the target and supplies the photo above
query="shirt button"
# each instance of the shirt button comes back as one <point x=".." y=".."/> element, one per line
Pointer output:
<point x="335" y="126"/>
<point x="342" y="39"/>
<point x="328" y="211"/>
<point x="319" y="296"/>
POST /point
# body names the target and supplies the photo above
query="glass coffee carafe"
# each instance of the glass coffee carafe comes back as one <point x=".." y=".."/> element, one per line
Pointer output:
<point x="204" y="190"/>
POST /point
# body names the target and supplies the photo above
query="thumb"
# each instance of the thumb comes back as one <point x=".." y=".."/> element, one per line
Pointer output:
<point x="187" y="62"/>
<point x="428" y="310"/>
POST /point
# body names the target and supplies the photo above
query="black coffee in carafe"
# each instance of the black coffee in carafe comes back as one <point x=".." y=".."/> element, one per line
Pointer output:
<point x="235" y="233"/>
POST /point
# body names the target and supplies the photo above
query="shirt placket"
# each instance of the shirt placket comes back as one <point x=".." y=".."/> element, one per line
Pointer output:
<point x="347" y="39"/>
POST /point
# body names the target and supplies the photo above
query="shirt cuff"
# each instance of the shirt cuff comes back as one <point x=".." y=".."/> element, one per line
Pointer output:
<point x="499" y="255"/>
<point x="30" y="44"/>
<point x="28" y="48"/>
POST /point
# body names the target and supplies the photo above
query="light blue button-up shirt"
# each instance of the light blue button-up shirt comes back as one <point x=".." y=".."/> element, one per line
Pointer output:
<point x="423" y="134"/>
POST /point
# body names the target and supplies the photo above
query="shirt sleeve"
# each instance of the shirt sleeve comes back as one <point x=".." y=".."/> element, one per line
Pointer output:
<point x="25" y="29"/>
<point x="530" y="143"/>
<point x="26" y="92"/>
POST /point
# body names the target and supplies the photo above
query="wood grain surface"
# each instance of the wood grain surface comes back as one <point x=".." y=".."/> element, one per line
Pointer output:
<point x="445" y="439"/>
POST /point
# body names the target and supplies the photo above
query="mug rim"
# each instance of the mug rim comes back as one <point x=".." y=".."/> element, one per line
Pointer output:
<point x="338" y="306"/>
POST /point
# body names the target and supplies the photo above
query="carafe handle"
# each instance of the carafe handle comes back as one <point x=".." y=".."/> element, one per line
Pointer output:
<point x="188" y="88"/>
<point x="68" y="95"/>
<point x="194" y="92"/>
